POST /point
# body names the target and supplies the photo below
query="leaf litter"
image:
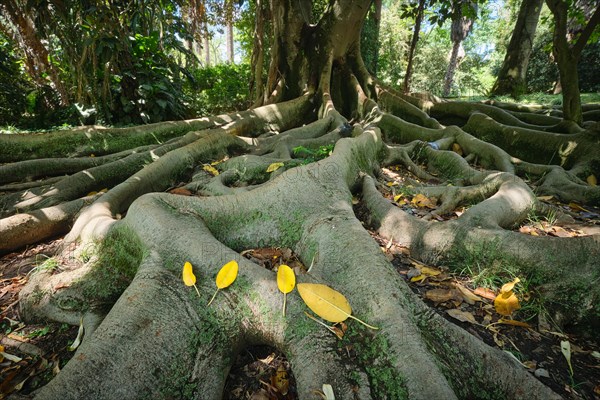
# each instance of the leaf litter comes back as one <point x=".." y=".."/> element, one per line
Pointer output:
<point x="531" y="342"/>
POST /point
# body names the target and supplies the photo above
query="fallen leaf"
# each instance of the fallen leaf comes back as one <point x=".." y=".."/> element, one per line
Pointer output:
<point x="513" y="323"/>
<point x="8" y="356"/>
<point x="390" y="184"/>
<point x="577" y="207"/>
<point x="467" y="295"/>
<point x="189" y="279"/>
<point x="274" y="166"/>
<point x="328" y="392"/>
<point x="180" y="191"/>
<point x="559" y="232"/>
<point x="545" y="198"/>
<point x="457" y="149"/>
<point x="528" y="230"/>
<point x="420" y="200"/>
<point x="77" y="341"/>
<point x="286" y="280"/>
<point x="225" y="277"/>
<point x="441" y="295"/>
<point x="485" y="292"/>
<point x="210" y="169"/>
<point x="565" y="348"/>
<point x="507" y="302"/>
<point x="592" y="181"/>
<point x="541" y="373"/>
<point x="327" y="303"/>
<point x="463" y="316"/>
<point x="280" y="380"/>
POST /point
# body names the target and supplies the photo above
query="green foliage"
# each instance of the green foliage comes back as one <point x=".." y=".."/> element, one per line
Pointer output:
<point x="13" y="84"/>
<point x="312" y="155"/>
<point x="218" y="89"/>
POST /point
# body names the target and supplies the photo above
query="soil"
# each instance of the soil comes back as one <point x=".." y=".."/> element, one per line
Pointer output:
<point x="262" y="372"/>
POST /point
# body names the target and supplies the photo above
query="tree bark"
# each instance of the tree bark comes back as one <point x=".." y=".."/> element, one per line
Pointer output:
<point x="567" y="57"/>
<point x="511" y="78"/>
<point x="459" y="30"/>
<point x="413" y="45"/>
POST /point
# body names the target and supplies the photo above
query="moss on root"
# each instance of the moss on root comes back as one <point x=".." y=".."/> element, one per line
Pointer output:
<point x="118" y="258"/>
<point x="372" y="353"/>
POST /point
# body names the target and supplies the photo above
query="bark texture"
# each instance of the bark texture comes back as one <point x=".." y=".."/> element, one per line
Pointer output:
<point x="150" y="336"/>
<point x="511" y="78"/>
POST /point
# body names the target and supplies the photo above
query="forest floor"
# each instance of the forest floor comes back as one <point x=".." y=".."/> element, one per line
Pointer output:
<point x="462" y="294"/>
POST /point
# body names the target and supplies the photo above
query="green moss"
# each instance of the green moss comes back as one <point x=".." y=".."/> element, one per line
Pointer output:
<point x="372" y="353"/>
<point x="119" y="256"/>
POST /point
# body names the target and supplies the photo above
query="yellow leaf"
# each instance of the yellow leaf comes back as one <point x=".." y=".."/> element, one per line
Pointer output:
<point x="506" y="303"/>
<point x="327" y="303"/>
<point x="592" y="181"/>
<point x="274" y="167"/>
<point x="225" y="277"/>
<point x="286" y="280"/>
<point x="420" y="200"/>
<point x="91" y="194"/>
<point x="507" y="287"/>
<point x="514" y="323"/>
<point x="188" y="275"/>
<point x="397" y="197"/>
<point x="227" y="274"/>
<point x="281" y="380"/>
<point x="211" y="169"/>
<point x="457" y="149"/>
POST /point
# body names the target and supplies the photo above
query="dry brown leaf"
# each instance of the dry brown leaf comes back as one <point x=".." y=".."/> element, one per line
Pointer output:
<point x="559" y="232"/>
<point x="441" y="295"/>
<point x="545" y="198"/>
<point x="529" y="230"/>
<point x="180" y="191"/>
<point x="485" y="292"/>
<point x="467" y="295"/>
<point x="280" y="380"/>
<point x="463" y="316"/>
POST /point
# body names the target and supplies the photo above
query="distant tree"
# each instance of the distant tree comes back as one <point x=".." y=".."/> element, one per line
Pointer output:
<point x="568" y="52"/>
<point x="463" y="16"/>
<point x="419" y="12"/>
<point x="511" y="78"/>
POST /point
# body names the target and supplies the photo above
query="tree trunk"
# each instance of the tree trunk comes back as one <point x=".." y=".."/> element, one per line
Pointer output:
<point x="413" y="46"/>
<point x="148" y="335"/>
<point x="230" y="42"/>
<point x="36" y="54"/>
<point x="206" y="46"/>
<point x="452" y="66"/>
<point x="459" y="30"/>
<point x="567" y="56"/>
<point x="511" y="78"/>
